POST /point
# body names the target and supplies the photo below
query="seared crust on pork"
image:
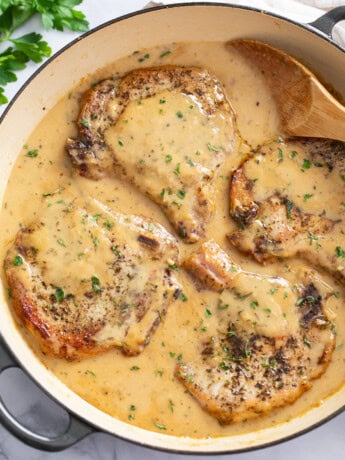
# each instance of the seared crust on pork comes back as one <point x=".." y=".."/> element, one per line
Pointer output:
<point x="165" y="170"/>
<point x="274" y="225"/>
<point x="112" y="290"/>
<point x="242" y="372"/>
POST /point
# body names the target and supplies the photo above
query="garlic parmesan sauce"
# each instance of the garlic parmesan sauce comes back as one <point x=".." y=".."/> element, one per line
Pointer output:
<point x="142" y="390"/>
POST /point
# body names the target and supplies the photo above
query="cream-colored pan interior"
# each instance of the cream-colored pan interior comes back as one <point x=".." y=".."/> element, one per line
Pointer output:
<point x="108" y="43"/>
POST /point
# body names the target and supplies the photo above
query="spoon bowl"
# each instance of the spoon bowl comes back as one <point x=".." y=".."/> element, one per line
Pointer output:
<point x="304" y="105"/>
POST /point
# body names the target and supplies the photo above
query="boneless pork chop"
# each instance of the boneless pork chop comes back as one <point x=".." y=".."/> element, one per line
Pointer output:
<point x="84" y="279"/>
<point x="273" y="338"/>
<point x="288" y="200"/>
<point x="166" y="130"/>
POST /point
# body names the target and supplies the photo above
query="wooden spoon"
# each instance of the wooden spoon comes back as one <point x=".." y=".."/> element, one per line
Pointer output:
<point x="306" y="108"/>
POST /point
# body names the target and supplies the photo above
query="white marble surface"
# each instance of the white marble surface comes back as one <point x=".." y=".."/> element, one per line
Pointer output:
<point x="37" y="411"/>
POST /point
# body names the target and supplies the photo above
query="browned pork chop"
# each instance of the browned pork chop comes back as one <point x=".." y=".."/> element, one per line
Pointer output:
<point x="166" y="130"/>
<point x="85" y="279"/>
<point x="273" y="338"/>
<point x="292" y="215"/>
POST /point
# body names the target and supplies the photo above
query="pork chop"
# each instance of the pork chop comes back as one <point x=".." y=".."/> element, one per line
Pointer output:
<point x="287" y="201"/>
<point x="84" y="279"/>
<point x="273" y="338"/>
<point x="167" y="130"/>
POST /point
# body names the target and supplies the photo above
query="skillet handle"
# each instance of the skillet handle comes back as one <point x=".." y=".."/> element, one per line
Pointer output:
<point x="75" y="431"/>
<point x="327" y="21"/>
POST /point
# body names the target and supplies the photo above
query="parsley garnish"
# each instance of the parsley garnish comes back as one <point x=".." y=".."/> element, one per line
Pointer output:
<point x="30" y="153"/>
<point x="96" y="284"/>
<point x="307" y="196"/>
<point x="289" y="206"/>
<point x="160" y="426"/>
<point x="213" y="148"/>
<point x="88" y="372"/>
<point x="208" y="313"/>
<point x="183" y="297"/>
<point x="166" y="53"/>
<point x="306" y="164"/>
<point x="177" y="169"/>
<point x="58" y="14"/>
<point x="17" y="261"/>
<point x="59" y="294"/>
<point x="339" y="252"/>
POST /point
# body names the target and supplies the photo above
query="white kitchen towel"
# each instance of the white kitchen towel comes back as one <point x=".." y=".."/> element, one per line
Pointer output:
<point x="303" y="11"/>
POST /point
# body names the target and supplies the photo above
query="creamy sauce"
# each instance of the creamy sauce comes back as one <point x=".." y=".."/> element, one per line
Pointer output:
<point x="142" y="390"/>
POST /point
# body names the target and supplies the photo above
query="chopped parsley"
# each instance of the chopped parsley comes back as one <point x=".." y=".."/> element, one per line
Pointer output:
<point x="307" y="196"/>
<point x="165" y="53"/>
<point x="116" y="251"/>
<point x="88" y="372"/>
<point x="289" y="206"/>
<point x="181" y="194"/>
<point x="171" y="405"/>
<point x="168" y="158"/>
<point x="134" y="368"/>
<point x="208" y="313"/>
<point x="213" y="148"/>
<point x="183" y="297"/>
<point x="96" y="284"/>
<point x="17" y="260"/>
<point x="143" y="58"/>
<point x="160" y="426"/>
<point x="306" y="164"/>
<point x="32" y="153"/>
<point x="59" y="294"/>
<point x="339" y="252"/>
<point x="84" y="122"/>
<point x="280" y="155"/>
<point x="177" y="170"/>
<point x="179" y="114"/>
<point x="307" y="342"/>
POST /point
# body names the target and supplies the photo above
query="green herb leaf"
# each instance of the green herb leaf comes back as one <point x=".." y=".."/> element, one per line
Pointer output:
<point x="88" y="372"/>
<point x="96" y="284"/>
<point x="17" y="260"/>
<point x="32" y="153"/>
<point x="160" y="426"/>
<point x="59" y="294"/>
<point x="57" y="14"/>
<point x="208" y="313"/>
<point x="307" y="196"/>
<point x="213" y="148"/>
<point x="166" y="53"/>
<point x="339" y="252"/>
<point x="289" y="206"/>
<point x="32" y="46"/>
<point x="306" y="164"/>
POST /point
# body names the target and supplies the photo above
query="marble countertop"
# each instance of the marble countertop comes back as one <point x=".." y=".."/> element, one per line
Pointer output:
<point x="36" y="410"/>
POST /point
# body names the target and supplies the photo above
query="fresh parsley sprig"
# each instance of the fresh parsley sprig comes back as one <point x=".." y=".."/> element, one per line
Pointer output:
<point x="55" y="14"/>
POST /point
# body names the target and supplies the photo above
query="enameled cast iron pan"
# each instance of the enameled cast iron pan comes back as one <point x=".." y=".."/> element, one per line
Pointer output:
<point x="311" y="43"/>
